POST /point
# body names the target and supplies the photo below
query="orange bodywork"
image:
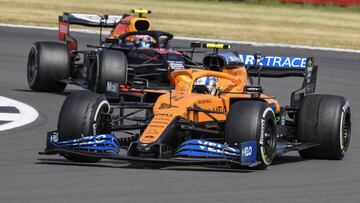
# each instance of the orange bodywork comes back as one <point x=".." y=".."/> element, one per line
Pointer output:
<point x="179" y="102"/>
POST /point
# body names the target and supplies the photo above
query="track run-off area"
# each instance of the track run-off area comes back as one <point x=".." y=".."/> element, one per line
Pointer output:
<point x="26" y="177"/>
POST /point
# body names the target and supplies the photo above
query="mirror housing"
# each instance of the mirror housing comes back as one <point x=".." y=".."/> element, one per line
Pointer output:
<point x="195" y="44"/>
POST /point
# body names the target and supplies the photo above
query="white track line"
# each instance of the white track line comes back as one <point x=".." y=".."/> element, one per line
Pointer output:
<point x="256" y="44"/>
<point x="10" y="116"/>
<point x="27" y="114"/>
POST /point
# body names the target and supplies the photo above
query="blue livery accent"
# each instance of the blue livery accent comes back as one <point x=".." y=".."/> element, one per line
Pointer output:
<point x="206" y="148"/>
<point x="101" y="143"/>
<point x="248" y="152"/>
<point x="205" y="145"/>
<point x="203" y="148"/>
<point x="199" y="154"/>
<point x="275" y="61"/>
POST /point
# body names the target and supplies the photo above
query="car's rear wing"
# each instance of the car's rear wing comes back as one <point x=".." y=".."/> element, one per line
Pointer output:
<point x="85" y="19"/>
<point x="274" y="66"/>
<point x="280" y="66"/>
<point x="268" y="66"/>
<point x="93" y="20"/>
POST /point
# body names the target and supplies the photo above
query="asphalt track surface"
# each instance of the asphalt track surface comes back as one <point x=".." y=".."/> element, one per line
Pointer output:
<point x="26" y="176"/>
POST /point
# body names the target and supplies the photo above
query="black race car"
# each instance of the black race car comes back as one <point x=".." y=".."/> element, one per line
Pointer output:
<point x="131" y="54"/>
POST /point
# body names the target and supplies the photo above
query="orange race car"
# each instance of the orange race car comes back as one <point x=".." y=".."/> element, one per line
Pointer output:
<point x="214" y="115"/>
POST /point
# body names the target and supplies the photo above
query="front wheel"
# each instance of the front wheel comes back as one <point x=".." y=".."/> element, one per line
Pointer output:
<point x="79" y="117"/>
<point x="252" y="121"/>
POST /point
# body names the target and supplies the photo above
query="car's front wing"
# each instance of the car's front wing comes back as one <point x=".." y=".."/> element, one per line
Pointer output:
<point x="190" y="152"/>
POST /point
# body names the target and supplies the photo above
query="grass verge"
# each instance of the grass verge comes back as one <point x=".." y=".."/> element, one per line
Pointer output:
<point x="266" y="21"/>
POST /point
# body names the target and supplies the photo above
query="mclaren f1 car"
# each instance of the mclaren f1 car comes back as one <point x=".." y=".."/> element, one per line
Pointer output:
<point x="211" y="116"/>
<point x="131" y="54"/>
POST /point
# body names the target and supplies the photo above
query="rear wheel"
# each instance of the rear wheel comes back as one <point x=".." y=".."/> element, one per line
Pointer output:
<point x="80" y="117"/>
<point x="252" y="121"/>
<point x="112" y="67"/>
<point x="325" y="120"/>
<point x="48" y="62"/>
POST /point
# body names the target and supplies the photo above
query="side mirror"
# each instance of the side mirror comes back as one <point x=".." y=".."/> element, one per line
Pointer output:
<point x="253" y="89"/>
<point x="195" y="44"/>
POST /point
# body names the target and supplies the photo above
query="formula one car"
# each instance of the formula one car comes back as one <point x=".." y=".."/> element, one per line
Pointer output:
<point x="131" y="54"/>
<point x="212" y="116"/>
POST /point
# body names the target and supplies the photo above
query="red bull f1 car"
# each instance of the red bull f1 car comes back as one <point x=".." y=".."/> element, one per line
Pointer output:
<point x="213" y="115"/>
<point x="131" y="54"/>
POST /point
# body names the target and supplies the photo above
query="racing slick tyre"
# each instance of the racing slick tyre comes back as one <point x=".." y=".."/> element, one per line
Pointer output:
<point x="48" y="62"/>
<point x="325" y="120"/>
<point x="252" y="121"/>
<point x="112" y="67"/>
<point x="79" y="117"/>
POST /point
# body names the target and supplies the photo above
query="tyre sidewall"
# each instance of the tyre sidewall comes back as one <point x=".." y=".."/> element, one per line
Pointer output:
<point x="267" y="118"/>
<point x="78" y="118"/>
<point x="112" y="66"/>
<point x="247" y="122"/>
<point x="32" y="60"/>
<point x="52" y="63"/>
<point x="79" y="115"/>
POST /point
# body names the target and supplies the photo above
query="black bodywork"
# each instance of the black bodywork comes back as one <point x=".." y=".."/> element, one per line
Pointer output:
<point x="151" y="65"/>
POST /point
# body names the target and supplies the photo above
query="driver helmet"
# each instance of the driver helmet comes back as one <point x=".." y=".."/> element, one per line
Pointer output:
<point x="211" y="83"/>
<point x="143" y="41"/>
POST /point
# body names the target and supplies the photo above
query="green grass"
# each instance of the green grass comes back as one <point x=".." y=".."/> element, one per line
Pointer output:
<point x="258" y="20"/>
